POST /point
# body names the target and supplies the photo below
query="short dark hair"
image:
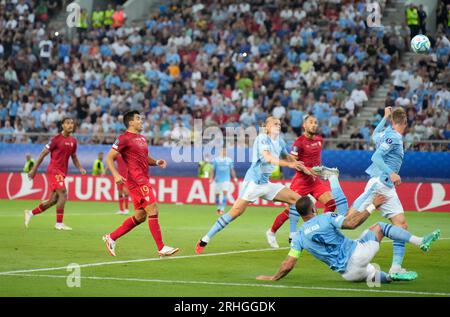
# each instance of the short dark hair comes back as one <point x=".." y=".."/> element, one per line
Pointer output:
<point x="65" y="119"/>
<point x="304" y="205"/>
<point x="129" y="116"/>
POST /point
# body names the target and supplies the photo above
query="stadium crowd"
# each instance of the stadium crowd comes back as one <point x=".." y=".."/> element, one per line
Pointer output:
<point x="228" y="63"/>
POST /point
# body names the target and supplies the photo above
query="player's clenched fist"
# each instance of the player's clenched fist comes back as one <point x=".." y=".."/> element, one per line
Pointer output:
<point x="396" y="179"/>
<point x="161" y="163"/>
<point x="387" y="112"/>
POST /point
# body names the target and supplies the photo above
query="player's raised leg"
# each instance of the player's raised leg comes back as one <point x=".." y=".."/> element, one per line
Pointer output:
<point x="332" y="175"/>
<point x="40" y="208"/>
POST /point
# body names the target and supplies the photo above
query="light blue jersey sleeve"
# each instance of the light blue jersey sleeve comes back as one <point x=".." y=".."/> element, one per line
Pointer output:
<point x="336" y="220"/>
<point x="284" y="149"/>
<point x="388" y="156"/>
<point x="262" y="144"/>
<point x="377" y="132"/>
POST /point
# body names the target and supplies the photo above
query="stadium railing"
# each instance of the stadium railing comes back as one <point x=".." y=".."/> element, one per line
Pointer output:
<point x="330" y="143"/>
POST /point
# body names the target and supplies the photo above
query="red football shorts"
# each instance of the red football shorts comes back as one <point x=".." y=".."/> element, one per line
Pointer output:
<point x="315" y="189"/>
<point x="142" y="196"/>
<point x="56" y="181"/>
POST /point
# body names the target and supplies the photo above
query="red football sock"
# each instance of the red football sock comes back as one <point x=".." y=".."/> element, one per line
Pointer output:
<point x="330" y="206"/>
<point x="59" y="215"/>
<point x="125" y="199"/>
<point x="126" y="226"/>
<point x="38" y="209"/>
<point x="280" y="219"/>
<point x="155" y="230"/>
<point x="121" y="203"/>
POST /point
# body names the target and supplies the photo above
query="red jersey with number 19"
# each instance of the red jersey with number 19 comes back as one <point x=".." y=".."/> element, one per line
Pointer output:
<point x="134" y="150"/>
<point x="61" y="149"/>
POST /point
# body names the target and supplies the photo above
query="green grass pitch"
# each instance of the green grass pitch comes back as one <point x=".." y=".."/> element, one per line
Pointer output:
<point x="231" y="262"/>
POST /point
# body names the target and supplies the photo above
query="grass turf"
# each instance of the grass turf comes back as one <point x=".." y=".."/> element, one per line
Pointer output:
<point x="185" y="274"/>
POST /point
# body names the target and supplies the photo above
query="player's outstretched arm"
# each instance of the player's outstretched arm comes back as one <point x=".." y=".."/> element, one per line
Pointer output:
<point x="381" y="124"/>
<point x="112" y="155"/>
<point x="41" y="157"/>
<point x="297" y="165"/>
<point x="355" y="219"/>
<point x="287" y="266"/>
<point x="77" y="164"/>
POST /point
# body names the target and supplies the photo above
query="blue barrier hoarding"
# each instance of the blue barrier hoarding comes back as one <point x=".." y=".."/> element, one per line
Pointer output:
<point x="351" y="163"/>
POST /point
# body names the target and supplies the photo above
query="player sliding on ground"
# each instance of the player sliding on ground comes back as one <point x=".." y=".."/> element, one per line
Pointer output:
<point x="386" y="163"/>
<point x="321" y="236"/>
<point x="308" y="149"/>
<point x="267" y="150"/>
<point x="61" y="147"/>
<point x="133" y="148"/>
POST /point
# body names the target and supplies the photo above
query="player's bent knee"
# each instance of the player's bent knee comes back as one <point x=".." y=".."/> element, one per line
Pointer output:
<point x="140" y="218"/>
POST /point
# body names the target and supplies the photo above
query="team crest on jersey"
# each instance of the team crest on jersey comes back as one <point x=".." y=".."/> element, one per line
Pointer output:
<point x="333" y="214"/>
<point x="389" y="141"/>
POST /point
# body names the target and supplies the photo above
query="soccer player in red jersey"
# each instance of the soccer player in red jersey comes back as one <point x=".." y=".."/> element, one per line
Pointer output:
<point x="61" y="147"/>
<point x="133" y="148"/>
<point x="308" y="149"/>
<point x="122" y="188"/>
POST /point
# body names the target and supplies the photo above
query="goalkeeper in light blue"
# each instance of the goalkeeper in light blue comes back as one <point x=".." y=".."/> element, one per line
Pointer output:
<point x="222" y="171"/>
<point x="320" y="235"/>
<point x="386" y="163"/>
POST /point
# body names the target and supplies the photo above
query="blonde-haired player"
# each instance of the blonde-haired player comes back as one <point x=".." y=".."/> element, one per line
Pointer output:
<point x="267" y="150"/>
<point x="386" y="163"/>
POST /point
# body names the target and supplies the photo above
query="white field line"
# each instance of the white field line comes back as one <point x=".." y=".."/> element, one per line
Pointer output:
<point x="310" y="288"/>
<point x="142" y="260"/>
<point x="155" y="259"/>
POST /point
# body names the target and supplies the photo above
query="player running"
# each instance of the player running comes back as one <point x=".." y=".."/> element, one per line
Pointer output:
<point x="308" y="149"/>
<point x="61" y="147"/>
<point x="321" y="236"/>
<point x="122" y="188"/>
<point x="220" y="175"/>
<point x="133" y="148"/>
<point x="386" y="163"/>
<point x="267" y="150"/>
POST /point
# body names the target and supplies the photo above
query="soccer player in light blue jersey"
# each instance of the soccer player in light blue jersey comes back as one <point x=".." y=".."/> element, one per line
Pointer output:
<point x="268" y="148"/>
<point x="221" y="174"/>
<point x="386" y="163"/>
<point x="321" y="236"/>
